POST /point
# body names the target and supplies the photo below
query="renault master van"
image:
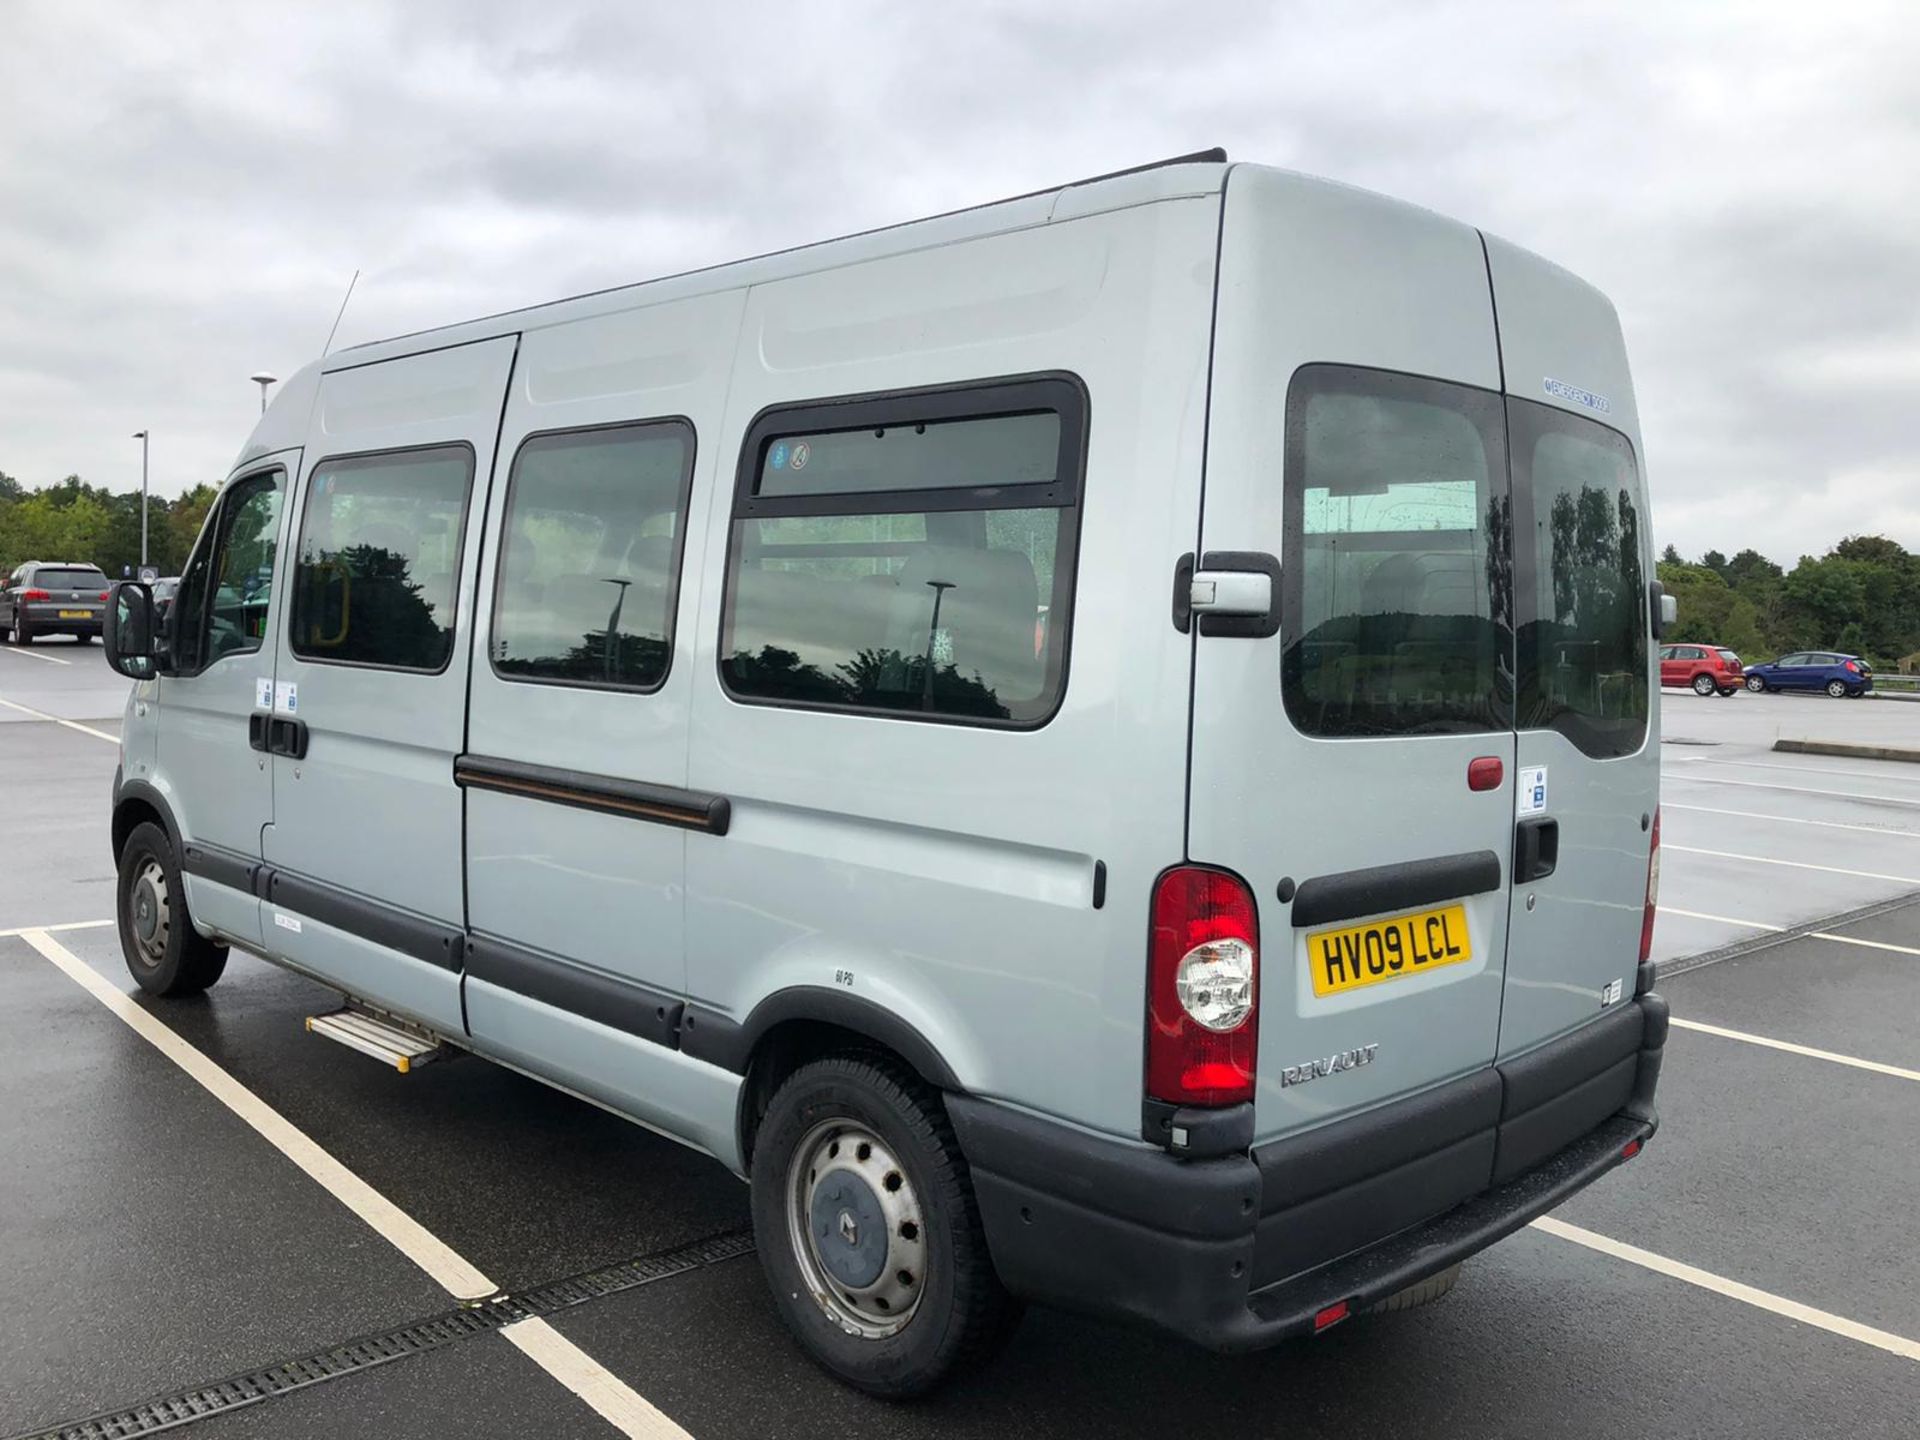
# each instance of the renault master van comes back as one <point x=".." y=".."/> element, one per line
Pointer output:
<point x="1097" y="750"/>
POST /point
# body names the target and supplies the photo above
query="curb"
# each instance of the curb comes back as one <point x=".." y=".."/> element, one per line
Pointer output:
<point x="1856" y="752"/>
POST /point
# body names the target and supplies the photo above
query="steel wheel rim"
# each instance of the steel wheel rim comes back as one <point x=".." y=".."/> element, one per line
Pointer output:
<point x="150" y="912"/>
<point x="842" y="1180"/>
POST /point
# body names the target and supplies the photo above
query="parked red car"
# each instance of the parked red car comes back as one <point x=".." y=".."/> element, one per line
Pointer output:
<point x="1704" y="668"/>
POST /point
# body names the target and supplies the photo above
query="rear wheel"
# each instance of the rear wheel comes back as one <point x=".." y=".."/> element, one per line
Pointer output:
<point x="1756" y="684"/>
<point x="1703" y="685"/>
<point x="868" y="1231"/>
<point x="1425" y="1293"/>
<point x="1837" y="689"/>
<point x="165" y="954"/>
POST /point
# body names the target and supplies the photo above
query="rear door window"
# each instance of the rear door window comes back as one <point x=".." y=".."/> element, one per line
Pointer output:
<point x="47" y="578"/>
<point x="1580" y="597"/>
<point x="1397" y="559"/>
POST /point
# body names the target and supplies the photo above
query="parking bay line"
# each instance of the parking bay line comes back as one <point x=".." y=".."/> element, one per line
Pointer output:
<point x="1810" y="935"/>
<point x="1789" y="1047"/>
<point x="611" y="1398"/>
<point x="1797" y="769"/>
<point x="1794" y="864"/>
<point x="1732" y="1289"/>
<point x="1792" y="820"/>
<point x="19" y="930"/>
<point x="70" y="724"/>
<point x="1692" y="779"/>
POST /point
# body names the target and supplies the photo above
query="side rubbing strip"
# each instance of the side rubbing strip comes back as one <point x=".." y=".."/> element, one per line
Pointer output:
<point x="635" y="799"/>
<point x="1353" y="893"/>
<point x="622" y="1004"/>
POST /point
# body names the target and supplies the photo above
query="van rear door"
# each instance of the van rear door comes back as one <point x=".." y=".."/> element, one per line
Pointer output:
<point x="1585" y="686"/>
<point x="1356" y="769"/>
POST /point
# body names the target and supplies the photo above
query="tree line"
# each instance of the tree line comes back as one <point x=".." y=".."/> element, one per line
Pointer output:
<point x="1862" y="597"/>
<point x="75" y="521"/>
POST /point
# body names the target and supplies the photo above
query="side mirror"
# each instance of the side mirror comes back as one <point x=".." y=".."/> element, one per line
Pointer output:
<point x="1664" y="611"/>
<point x="129" y="637"/>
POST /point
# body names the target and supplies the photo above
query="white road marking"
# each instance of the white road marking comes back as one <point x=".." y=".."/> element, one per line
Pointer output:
<point x="1718" y="919"/>
<point x="618" y="1404"/>
<point x="1792" y="1049"/>
<point x="1732" y="1289"/>
<point x="68" y="925"/>
<point x="1893" y="773"/>
<point x="70" y="724"/>
<point x="1793" y="820"/>
<point x="1810" y="935"/>
<point x="1800" y="790"/>
<point x="21" y="652"/>
<point x="1794" y="864"/>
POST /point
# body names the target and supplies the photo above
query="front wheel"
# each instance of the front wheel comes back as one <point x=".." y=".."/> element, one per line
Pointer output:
<point x="166" y="955"/>
<point x="1756" y="684"/>
<point x="1703" y="685"/>
<point x="1837" y="689"/>
<point x="868" y="1231"/>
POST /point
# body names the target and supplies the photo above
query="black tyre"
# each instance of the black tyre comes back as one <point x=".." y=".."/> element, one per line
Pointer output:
<point x="22" y="632"/>
<point x="1703" y="685"/>
<point x="1729" y="691"/>
<point x="1837" y="689"/>
<point x="1424" y="1293"/>
<point x="165" y="954"/>
<point x="868" y="1232"/>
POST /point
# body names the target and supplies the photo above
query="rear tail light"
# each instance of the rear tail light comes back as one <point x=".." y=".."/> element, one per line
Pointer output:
<point x="103" y="594"/>
<point x="1203" y="967"/>
<point x="36" y="594"/>
<point x="1854" y="665"/>
<point x="1653" y="890"/>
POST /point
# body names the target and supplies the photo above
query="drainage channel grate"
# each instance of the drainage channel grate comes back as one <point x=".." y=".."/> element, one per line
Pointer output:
<point x="481" y="1317"/>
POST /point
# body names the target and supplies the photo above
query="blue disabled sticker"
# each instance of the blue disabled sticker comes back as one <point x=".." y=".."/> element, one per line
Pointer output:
<point x="779" y="456"/>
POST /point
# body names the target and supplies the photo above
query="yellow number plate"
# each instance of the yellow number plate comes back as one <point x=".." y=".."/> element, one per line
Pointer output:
<point x="1388" y="949"/>
<point x="73" y="615"/>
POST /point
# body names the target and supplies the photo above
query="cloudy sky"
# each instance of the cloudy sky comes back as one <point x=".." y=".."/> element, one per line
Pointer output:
<point x="185" y="188"/>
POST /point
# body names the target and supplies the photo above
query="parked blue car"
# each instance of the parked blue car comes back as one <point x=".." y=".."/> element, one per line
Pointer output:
<point x="1839" y="675"/>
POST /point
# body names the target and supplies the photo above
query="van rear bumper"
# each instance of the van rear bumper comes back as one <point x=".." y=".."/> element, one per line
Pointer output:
<point x="1244" y="1251"/>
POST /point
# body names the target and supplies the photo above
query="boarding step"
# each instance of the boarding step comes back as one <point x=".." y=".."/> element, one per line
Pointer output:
<point x="381" y="1036"/>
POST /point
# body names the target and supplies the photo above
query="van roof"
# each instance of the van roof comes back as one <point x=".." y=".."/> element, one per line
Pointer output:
<point x="1201" y="173"/>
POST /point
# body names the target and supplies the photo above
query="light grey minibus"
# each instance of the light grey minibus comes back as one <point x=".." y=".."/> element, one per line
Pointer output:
<point x="1099" y="750"/>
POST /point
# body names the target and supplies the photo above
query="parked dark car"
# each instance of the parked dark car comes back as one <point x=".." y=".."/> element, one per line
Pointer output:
<point x="1839" y="675"/>
<point x="1704" y="669"/>
<point x="42" y="597"/>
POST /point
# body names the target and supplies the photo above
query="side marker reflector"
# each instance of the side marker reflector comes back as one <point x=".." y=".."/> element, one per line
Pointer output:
<point x="1330" y="1316"/>
<point x="1630" y="1149"/>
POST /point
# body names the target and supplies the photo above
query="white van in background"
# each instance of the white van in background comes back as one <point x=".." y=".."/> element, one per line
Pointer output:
<point x="1099" y="749"/>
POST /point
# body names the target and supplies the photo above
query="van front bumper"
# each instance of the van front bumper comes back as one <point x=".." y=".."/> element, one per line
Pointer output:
<point x="1247" y="1250"/>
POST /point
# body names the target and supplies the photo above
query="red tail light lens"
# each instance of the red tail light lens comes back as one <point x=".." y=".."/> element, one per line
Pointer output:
<point x="1653" y="890"/>
<point x="1203" y="969"/>
<point x="1854" y="665"/>
<point x="103" y="594"/>
<point x="36" y="594"/>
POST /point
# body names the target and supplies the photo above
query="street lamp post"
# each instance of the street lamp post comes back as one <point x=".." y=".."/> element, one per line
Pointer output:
<point x="263" y="380"/>
<point x="141" y="436"/>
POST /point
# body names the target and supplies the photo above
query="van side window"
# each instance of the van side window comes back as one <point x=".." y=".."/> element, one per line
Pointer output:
<point x="1579" y="595"/>
<point x="1397" y="556"/>
<point x="378" y="561"/>
<point x="911" y="555"/>
<point x="228" y="584"/>
<point x="590" y="556"/>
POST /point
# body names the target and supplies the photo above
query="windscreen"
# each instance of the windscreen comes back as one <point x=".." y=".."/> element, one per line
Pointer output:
<point x="1396" y="570"/>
